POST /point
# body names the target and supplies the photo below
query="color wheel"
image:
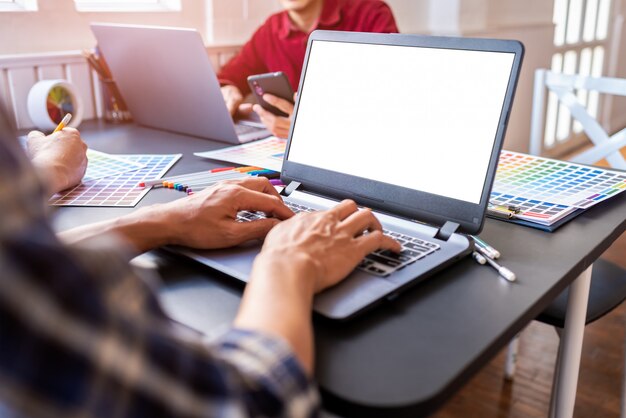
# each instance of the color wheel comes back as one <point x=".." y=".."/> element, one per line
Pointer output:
<point x="59" y="103"/>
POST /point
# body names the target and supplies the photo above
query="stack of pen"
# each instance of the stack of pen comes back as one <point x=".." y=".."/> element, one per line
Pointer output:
<point x="115" y="106"/>
<point x="194" y="182"/>
<point x="486" y="254"/>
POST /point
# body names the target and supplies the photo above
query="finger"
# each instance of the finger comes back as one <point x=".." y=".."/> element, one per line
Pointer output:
<point x="376" y="240"/>
<point x="246" y="231"/>
<point x="35" y="134"/>
<point x="257" y="201"/>
<point x="360" y="221"/>
<point x="245" y="108"/>
<point x="282" y="127"/>
<point x="344" y="209"/>
<point x="70" y="130"/>
<point x="282" y="104"/>
<point x="259" y="184"/>
<point x="267" y="117"/>
<point x="295" y="96"/>
<point x="281" y="133"/>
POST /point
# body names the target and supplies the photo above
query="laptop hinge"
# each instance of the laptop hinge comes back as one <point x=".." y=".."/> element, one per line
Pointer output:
<point x="290" y="188"/>
<point x="446" y="231"/>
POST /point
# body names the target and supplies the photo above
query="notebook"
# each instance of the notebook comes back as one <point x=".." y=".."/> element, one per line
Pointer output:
<point x="409" y="126"/>
<point x="168" y="82"/>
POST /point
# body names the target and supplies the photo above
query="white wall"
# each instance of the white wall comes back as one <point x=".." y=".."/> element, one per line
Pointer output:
<point x="234" y="21"/>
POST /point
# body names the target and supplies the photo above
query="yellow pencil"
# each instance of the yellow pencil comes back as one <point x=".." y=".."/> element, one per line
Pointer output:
<point x="66" y="119"/>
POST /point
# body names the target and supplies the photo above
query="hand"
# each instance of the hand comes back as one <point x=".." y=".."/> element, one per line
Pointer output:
<point x="208" y="219"/>
<point x="277" y="125"/>
<point x="330" y="242"/>
<point x="61" y="158"/>
<point x="232" y="98"/>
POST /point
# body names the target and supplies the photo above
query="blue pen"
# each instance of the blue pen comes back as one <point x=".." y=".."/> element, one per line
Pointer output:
<point x="264" y="173"/>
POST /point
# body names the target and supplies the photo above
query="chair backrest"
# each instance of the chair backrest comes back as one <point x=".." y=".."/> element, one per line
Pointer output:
<point x="564" y="86"/>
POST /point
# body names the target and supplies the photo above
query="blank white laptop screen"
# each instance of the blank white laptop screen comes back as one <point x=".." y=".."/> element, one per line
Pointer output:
<point x="421" y="118"/>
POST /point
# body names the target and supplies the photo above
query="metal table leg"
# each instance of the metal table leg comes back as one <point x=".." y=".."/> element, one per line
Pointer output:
<point x="572" y="343"/>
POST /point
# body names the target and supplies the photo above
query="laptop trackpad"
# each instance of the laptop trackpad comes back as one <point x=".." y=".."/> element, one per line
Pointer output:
<point x="336" y="302"/>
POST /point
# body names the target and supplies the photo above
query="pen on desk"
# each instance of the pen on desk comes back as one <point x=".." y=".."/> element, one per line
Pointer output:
<point x="480" y="259"/>
<point x="66" y="119"/>
<point x="493" y="253"/>
<point x="503" y="271"/>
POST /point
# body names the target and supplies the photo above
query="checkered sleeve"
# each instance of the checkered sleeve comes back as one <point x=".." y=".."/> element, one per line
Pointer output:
<point x="81" y="334"/>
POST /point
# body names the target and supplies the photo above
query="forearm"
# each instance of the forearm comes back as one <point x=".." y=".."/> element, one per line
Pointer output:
<point x="144" y="229"/>
<point x="278" y="301"/>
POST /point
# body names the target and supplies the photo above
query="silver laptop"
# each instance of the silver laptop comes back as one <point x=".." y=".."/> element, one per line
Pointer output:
<point x="168" y="82"/>
<point x="410" y="126"/>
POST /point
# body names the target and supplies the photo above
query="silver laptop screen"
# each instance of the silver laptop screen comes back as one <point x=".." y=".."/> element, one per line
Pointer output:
<point x="420" y="118"/>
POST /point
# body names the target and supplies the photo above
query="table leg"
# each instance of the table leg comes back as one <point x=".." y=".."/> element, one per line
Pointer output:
<point x="572" y="341"/>
<point x="623" y="410"/>
<point x="511" y="358"/>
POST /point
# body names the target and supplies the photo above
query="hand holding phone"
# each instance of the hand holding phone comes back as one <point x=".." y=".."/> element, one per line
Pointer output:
<point x="275" y="84"/>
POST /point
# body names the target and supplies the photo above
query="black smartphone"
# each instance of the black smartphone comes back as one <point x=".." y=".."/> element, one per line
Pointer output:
<point x="272" y="83"/>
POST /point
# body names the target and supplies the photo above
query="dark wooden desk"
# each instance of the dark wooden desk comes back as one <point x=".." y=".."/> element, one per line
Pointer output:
<point x="406" y="357"/>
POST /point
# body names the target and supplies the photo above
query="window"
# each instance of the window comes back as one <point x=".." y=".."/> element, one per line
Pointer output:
<point x="18" y="5"/>
<point x="128" y="5"/>
<point x="580" y="40"/>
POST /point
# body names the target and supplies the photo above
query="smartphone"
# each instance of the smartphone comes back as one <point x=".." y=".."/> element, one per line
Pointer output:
<point x="272" y="83"/>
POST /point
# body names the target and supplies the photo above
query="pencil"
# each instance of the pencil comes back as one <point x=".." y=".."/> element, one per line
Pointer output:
<point x="66" y="119"/>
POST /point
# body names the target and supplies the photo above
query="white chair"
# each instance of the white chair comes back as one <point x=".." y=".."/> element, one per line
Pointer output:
<point x="607" y="288"/>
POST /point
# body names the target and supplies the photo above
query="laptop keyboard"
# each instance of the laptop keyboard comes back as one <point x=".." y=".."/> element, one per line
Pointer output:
<point x="246" y="129"/>
<point x="381" y="262"/>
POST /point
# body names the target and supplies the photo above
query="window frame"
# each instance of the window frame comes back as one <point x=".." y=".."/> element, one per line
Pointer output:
<point x="552" y="145"/>
<point x="19" y="6"/>
<point x="128" y="6"/>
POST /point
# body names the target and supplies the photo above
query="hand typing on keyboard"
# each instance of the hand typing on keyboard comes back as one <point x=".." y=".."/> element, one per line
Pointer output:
<point x="330" y="242"/>
<point x="208" y="219"/>
<point x="300" y="257"/>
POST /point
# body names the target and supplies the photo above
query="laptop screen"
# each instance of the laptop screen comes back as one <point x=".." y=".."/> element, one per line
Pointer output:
<point x="422" y="118"/>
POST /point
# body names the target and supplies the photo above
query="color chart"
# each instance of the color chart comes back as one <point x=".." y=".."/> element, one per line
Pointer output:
<point x="557" y="182"/>
<point x="119" y="190"/>
<point x="106" y="165"/>
<point x="267" y="153"/>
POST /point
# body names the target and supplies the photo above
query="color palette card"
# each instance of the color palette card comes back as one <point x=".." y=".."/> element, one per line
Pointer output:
<point x="558" y="182"/>
<point x="106" y="165"/>
<point x="266" y="153"/>
<point x="119" y="190"/>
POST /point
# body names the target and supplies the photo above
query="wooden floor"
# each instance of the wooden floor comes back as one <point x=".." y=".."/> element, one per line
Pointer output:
<point x="488" y="395"/>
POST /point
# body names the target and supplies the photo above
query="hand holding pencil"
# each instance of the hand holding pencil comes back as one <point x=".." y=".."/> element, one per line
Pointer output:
<point x="60" y="158"/>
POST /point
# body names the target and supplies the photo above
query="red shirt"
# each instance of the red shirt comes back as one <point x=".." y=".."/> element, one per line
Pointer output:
<point x="279" y="46"/>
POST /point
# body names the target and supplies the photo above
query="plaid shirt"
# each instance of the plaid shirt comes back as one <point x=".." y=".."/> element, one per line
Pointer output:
<point x="82" y="335"/>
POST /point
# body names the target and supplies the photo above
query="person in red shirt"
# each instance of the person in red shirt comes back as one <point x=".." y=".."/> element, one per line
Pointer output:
<point x="280" y="45"/>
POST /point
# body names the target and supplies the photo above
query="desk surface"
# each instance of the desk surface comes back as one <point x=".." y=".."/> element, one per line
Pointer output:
<point x="406" y="357"/>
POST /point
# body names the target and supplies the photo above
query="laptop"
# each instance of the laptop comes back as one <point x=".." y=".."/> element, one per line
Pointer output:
<point x="409" y="126"/>
<point x="168" y="82"/>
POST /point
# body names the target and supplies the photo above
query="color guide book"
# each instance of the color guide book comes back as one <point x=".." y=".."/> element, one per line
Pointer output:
<point x="548" y="190"/>
<point x="266" y="153"/>
<point x="120" y="189"/>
